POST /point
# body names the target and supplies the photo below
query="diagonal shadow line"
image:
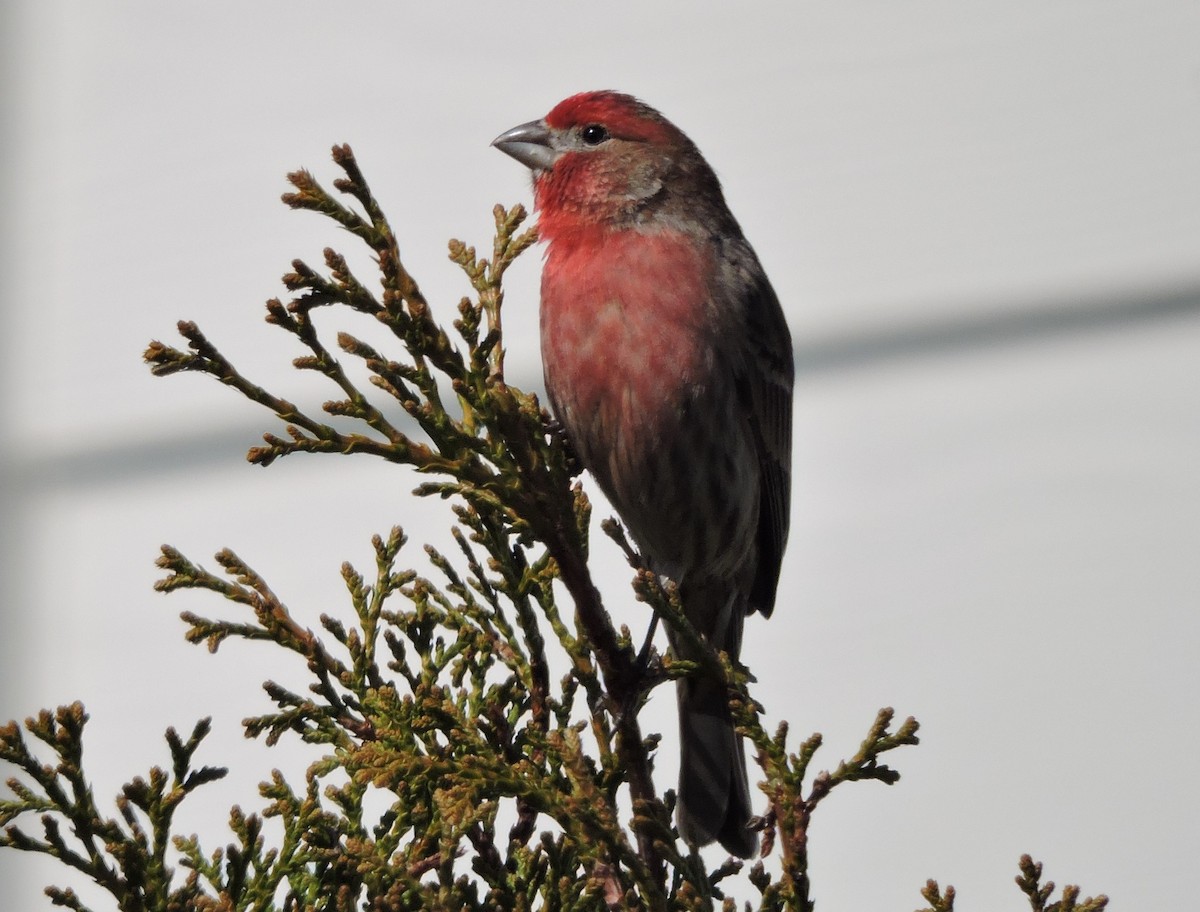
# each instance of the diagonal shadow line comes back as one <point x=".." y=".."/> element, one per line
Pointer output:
<point x="994" y="329"/>
<point x="220" y="447"/>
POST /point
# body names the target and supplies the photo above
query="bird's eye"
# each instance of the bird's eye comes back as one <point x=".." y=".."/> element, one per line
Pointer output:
<point x="594" y="134"/>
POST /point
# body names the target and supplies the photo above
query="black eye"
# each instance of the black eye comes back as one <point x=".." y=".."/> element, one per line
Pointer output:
<point x="594" y="134"/>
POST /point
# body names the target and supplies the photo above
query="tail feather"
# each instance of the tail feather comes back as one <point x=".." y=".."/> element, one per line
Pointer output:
<point x="714" y="794"/>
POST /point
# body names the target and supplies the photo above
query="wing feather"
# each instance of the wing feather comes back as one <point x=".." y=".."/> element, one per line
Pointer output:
<point x="766" y="388"/>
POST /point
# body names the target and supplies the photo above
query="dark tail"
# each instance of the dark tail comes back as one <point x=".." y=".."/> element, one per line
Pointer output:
<point x="714" y="795"/>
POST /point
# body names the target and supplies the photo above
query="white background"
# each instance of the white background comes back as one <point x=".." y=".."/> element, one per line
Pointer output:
<point x="983" y="221"/>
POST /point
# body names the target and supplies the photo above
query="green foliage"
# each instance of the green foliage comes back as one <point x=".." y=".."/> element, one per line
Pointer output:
<point x="1039" y="894"/>
<point x="1029" y="880"/>
<point x="481" y="746"/>
<point x="126" y="856"/>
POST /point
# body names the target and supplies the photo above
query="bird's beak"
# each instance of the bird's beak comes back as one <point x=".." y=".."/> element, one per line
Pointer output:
<point x="529" y="144"/>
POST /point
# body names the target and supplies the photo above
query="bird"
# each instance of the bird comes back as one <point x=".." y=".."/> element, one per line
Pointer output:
<point x="667" y="362"/>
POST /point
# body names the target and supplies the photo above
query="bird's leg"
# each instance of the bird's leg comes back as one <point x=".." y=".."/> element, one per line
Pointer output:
<point x="642" y="676"/>
<point x="642" y="662"/>
<point x="643" y="671"/>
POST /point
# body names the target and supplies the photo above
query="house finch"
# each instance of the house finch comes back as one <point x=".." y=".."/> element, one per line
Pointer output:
<point x="668" y="363"/>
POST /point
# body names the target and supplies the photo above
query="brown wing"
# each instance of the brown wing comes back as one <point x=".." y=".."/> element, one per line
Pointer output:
<point x="766" y="389"/>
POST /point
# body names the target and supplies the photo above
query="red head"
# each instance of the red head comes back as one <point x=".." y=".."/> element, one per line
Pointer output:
<point x="621" y="116"/>
<point x="604" y="160"/>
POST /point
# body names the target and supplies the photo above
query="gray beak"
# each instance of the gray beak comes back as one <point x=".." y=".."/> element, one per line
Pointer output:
<point x="529" y="144"/>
